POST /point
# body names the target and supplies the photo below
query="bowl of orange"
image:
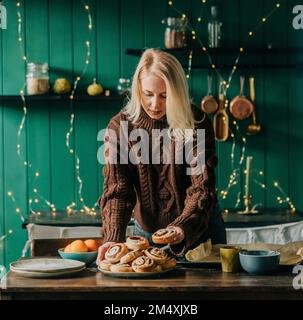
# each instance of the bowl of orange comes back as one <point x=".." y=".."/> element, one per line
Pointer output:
<point x="85" y="251"/>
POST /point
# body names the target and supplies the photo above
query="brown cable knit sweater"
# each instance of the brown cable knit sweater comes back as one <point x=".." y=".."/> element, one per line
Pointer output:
<point x="158" y="195"/>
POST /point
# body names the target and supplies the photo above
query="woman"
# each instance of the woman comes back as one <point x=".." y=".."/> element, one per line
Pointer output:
<point x="161" y="195"/>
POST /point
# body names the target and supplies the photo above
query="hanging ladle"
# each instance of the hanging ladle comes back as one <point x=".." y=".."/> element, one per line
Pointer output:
<point x="254" y="127"/>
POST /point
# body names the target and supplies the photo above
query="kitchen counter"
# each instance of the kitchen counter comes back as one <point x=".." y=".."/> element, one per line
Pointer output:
<point x="182" y="283"/>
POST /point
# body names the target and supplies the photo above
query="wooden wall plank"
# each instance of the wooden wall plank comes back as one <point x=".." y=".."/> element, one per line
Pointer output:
<point x="38" y="129"/>
<point x="276" y="102"/>
<point x="132" y="35"/>
<point x="108" y="63"/>
<point x="61" y="64"/>
<point x="255" y="144"/>
<point x="85" y="112"/>
<point x="2" y="215"/>
<point x="229" y="16"/>
<point x="295" y="80"/>
<point x="13" y="69"/>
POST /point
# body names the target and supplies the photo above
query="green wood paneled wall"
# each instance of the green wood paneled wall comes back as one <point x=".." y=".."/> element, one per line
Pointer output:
<point x="55" y="32"/>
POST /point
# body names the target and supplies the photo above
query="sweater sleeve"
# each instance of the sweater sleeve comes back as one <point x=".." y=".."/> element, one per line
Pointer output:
<point x="118" y="198"/>
<point x="200" y="195"/>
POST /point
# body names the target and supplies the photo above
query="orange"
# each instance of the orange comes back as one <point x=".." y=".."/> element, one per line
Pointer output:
<point x="67" y="248"/>
<point x="92" y="245"/>
<point x="78" y="246"/>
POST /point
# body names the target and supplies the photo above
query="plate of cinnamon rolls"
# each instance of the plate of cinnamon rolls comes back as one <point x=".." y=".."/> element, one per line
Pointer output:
<point x="135" y="258"/>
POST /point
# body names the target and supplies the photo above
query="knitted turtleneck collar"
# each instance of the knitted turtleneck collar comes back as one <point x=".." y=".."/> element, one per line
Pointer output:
<point x="146" y="122"/>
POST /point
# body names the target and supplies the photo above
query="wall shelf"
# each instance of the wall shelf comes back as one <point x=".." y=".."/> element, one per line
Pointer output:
<point x="49" y="97"/>
<point x="259" y="58"/>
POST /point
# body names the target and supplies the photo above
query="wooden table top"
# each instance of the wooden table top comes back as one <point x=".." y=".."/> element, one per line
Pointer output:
<point x="194" y="283"/>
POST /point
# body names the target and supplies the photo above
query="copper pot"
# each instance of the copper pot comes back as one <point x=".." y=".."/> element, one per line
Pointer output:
<point x="209" y="104"/>
<point x="240" y="107"/>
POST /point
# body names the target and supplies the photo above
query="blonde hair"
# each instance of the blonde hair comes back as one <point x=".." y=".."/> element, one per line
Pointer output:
<point x="178" y="105"/>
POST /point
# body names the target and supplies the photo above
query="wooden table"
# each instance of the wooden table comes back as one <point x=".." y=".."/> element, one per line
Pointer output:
<point x="182" y="283"/>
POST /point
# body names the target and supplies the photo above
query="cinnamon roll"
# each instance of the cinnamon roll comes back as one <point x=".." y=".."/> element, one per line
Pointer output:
<point x="156" y="254"/>
<point x="121" y="267"/>
<point x="143" y="264"/>
<point x="132" y="255"/>
<point x="164" y="236"/>
<point x="105" y="265"/>
<point x="115" y="252"/>
<point x="169" y="263"/>
<point x="137" y="242"/>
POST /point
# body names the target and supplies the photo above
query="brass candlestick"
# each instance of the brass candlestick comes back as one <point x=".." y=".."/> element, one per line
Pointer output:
<point x="247" y="197"/>
<point x="248" y="210"/>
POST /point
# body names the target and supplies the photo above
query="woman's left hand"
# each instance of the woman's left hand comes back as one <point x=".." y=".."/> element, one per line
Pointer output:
<point x="180" y="234"/>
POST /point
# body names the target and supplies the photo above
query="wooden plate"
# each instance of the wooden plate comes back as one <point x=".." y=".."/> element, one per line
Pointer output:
<point x="136" y="275"/>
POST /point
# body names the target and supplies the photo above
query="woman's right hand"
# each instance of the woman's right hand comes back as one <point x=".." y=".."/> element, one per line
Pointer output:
<point x="101" y="251"/>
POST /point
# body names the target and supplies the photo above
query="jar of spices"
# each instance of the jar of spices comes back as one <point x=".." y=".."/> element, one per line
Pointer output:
<point x="175" y="32"/>
<point x="124" y="86"/>
<point x="37" y="78"/>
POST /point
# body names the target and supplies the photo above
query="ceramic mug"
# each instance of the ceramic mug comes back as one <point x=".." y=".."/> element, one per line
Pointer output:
<point x="229" y="256"/>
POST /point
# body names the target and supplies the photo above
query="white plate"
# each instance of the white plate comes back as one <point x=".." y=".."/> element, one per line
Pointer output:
<point x="137" y="275"/>
<point x="33" y="274"/>
<point x="46" y="265"/>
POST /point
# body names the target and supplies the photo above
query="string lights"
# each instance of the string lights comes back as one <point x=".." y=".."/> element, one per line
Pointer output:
<point x="235" y="175"/>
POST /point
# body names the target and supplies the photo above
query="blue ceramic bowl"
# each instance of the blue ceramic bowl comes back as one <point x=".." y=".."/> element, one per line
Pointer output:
<point x="259" y="261"/>
<point x="87" y="257"/>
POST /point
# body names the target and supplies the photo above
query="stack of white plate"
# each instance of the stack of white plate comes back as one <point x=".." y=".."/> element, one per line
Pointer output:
<point x="46" y="267"/>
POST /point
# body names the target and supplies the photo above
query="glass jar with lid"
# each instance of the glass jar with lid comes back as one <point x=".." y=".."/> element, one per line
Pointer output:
<point x="37" y="78"/>
<point x="175" y="32"/>
<point x="124" y="86"/>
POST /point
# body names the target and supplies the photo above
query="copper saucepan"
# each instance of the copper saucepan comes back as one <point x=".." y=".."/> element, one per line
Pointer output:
<point x="240" y="107"/>
<point x="209" y="104"/>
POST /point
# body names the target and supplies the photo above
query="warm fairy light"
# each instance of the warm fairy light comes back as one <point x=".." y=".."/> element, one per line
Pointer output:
<point x="81" y="199"/>
<point x="87" y="7"/>
<point x="278" y="5"/>
<point x="234" y="122"/>
<point x="170" y="3"/>
<point x="19" y="39"/>
<point x="204" y="49"/>
<point x="241" y="49"/>
<point x="17" y="210"/>
<point x="250" y="33"/>
<point x="199" y="19"/>
<point x="24" y="57"/>
<point x="9" y="193"/>
<point x="261" y="173"/>
<point x="25" y="163"/>
<point x="244" y="139"/>
<point x="107" y="93"/>
<point x="71" y="151"/>
<point x="87" y="61"/>
<point x="234" y="67"/>
<point x="263" y="19"/>
<point x="276" y="184"/>
<point x="226" y="211"/>
<point x="36" y="200"/>
<point x="35" y="190"/>
<point x="10" y="231"/>
<point x="71" y="97"/>
<point x="78" y="78"/>
<point x="37" y="174"/>
<point x="18" y="4"/>
<point x="213" y="66"/>
<point x="30" y="201"/>
<point x="183" y="16"/>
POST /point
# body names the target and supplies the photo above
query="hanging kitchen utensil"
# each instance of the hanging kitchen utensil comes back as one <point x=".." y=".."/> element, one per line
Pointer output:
<point x="240" y="107"/>
<point x="221" y="120"/>
<point x="209" y="104"/>
<point x="254" y="127"/>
